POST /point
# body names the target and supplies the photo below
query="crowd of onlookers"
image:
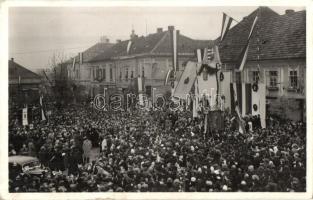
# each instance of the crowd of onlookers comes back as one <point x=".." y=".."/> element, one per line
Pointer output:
<point x="157" y="151"/>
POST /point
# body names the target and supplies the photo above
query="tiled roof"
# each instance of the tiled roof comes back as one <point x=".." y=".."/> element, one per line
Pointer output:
<point x="277" y="36"/>
<point x="117" y="49"/>
<point x="16" y="70"/>
<point x="92" y="52"/>
<point x="184" y="44"/>
<point x="95" y="50"/>
<point x="157" y="43"/>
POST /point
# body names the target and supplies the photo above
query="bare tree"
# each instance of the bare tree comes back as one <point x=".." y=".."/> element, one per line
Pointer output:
<point x="57" y="65"/>
<point x="61" y="84"/>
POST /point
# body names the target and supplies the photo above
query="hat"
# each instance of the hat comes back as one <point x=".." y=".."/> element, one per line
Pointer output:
<point x="208" y="182"/>
<point x="176" y="182"/>
<point x="255" y="177"/>
<point x="192" y="148"/>
<point x="62" y="189"/>
<point x="193" y="179"/>
<point x="73" y="186"/>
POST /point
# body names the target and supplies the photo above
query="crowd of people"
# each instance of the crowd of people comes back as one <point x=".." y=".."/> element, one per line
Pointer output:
<point x="156" y="151"/>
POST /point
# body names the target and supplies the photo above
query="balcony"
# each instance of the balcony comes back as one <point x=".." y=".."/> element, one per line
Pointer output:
<point x="293" y="89"/>
<point x="272" y="88"/>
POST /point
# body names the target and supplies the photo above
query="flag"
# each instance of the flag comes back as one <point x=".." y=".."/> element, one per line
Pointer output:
<point x="244" y="53"/>
<point x="205" y="55"/>
<point x="199" y="53"/>
<point x="195" y="100"/>
<point x="128" y="46"/>
<point x="140" y="90"/>
<point x="47" y="77"/>
<point x="250" y="99"/>
<point x="80" y="58"/>
<point x="225" y="25"/>
<point x="25" y="116"/>
<point x="205" y="123"/>
<point x="258" y="102"/>
<point x="43" y="115"/>
<point x="168" y="75"/>
<point x="186" y="81"/>
<point x="174" y="40"/>
<point x="105" y="97"/>
<point x="235" y="103"/>
<point x="243" y="57"/>
<point x="208" y="76"/>
<point x="73" y="66"/>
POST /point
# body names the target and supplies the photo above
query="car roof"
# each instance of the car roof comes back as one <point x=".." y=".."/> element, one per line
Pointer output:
<point x="22" y="159"/>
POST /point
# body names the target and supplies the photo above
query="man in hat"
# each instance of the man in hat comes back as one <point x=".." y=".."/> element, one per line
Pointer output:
<point x="87" y="150"/>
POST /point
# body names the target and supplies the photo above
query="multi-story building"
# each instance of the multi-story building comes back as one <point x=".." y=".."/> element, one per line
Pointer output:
<point x="276" y="57"/>
<point x="77" y="68"/>
<point x="24" y="85"/>
<point x="148" y="56"/>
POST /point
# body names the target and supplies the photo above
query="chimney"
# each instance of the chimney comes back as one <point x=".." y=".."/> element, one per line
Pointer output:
<point x="289" y="11"/>
<point x="133" y="35"/>
<point x="104" y="39"/>
<point x="12" y="59"/>
<point x="118" y="41"/>
<point x="80" y="57"/>
<point x="171" y="28"/>
<point x="159" y="30"/>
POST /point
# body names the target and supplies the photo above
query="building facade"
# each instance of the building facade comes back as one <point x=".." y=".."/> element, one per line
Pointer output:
<point x="276" y="57"/>
<point x="150" y="57"/>
<point x="24" y="85"/>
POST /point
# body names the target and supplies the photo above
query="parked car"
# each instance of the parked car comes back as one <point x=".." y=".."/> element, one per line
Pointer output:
<point x="26" y="164"/>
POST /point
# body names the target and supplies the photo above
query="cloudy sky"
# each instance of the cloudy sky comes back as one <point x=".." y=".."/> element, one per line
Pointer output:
<point x="35" y="33"/>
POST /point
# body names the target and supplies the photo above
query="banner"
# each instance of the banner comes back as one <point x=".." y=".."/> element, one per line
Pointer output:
<point x="186" y="81"/>
<point x="174" y="40"/>
<point x="225" y="25"/>
<point x="244" y="53"/>
<point x="43" y="116"/>
<point x="25" y="116"/>
<point x="251" y="99"/>
<point x="140" y="90"/>
<point x="128" y="46"/>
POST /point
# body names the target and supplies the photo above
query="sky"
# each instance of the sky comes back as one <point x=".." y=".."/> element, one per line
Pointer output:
<point x="36" y="33"/>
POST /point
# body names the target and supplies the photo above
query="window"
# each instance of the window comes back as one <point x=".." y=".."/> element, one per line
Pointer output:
<point x="205" y="74"/>
<point x="120" y="74"/>
<point x="255" y="76"/>
<point x="143" y="71"/>
<point x="238" y="77"/>
<point x="111" y="74"/>
<point x="103" y="74"/>
<point x="100" y="74"/>
<point x="97" y="73"/>
<point x="126" y="76"/>
<point x="293" y="78"/>
<point x="273" y="78"/>
<point x="132" y="74"/>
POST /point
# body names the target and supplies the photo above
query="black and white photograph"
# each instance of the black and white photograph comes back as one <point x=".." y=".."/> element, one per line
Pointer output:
<point x="171" y="99"/>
